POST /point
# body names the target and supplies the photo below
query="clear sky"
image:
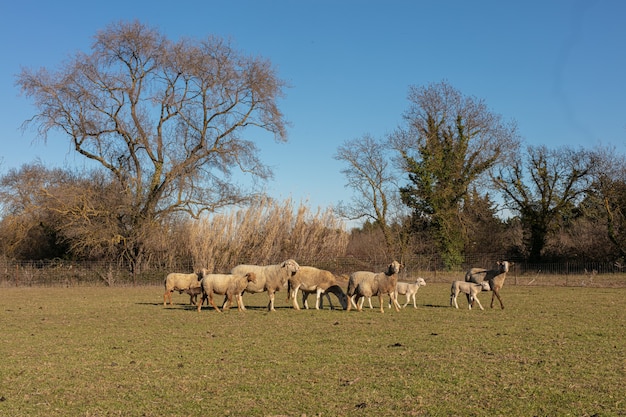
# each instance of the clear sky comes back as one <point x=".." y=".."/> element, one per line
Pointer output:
<point x="556" y="67"/>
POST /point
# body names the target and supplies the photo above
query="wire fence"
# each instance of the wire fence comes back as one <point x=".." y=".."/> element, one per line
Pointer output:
<point x="71" y="274"/>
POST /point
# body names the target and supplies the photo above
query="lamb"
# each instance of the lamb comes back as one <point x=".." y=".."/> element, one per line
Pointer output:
<point x="379" y="284"/>
<point x="409" y="289"/>
<point x="469" y="288"/>
<point x="193" y="293"/>
<point x="495" y="277"/>
<point x="310" y="279"/>
<point x="176" y="281"/>
<point x="225" y="284"/>
<point x="270" y="278"/>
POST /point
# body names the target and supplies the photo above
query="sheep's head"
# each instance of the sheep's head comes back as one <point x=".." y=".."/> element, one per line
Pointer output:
<point x="485" y="286"/>
<point x="292" y="266"/>
<point x="394" y="268"/>
<point x="251" y="276"/>
<point x="504" y="266"/>
<point x="420" y="282"/>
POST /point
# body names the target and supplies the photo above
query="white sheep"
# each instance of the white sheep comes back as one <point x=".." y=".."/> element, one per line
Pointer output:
<point x="495" y="277"/>
<point x="176" y="281"/>
<point x="224" y="284"/>
<point x="354" y="280"/>
<point x="379" y="284"/>
<point x="470" y="289"/>
<point x="237" y="285"/>
<point x="270" y="278"/>
<point x="409" y="289"/>
<point x="310" y="279"/>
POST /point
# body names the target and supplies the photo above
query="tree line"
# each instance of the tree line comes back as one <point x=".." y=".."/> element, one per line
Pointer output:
<point x="165" y="125"/>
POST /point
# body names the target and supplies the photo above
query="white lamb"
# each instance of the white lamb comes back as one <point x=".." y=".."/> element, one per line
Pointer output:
<point x="470" y="289"/>
<point x="409" y="289"/>
<point x="270" y="278"/>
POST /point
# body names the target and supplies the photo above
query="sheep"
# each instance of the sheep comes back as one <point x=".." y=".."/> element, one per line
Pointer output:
<point x="353" y="282"/>
<point x="409" y="289"/>
<point x="236" y="288"/>
<point x="310" y="279"/>
<point x="495" y="277"/>
<point x="379" y="284"/>
<point x="176" y="281"/>
<point x="193" y="293"/>
<point x="225" y="284"/>
<point x="333" y="289"/>
<point x="469" y="288"/>
<point x="270" y="278"/>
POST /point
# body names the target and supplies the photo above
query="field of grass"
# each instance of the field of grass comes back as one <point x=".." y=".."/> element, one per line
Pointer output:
<point x="99" y="351"/>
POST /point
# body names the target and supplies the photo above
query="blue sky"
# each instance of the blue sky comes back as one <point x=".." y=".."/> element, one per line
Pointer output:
<point x="558" y="68"/>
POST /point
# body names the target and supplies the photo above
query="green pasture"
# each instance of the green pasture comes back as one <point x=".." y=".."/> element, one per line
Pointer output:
<point x="99" y="351"/>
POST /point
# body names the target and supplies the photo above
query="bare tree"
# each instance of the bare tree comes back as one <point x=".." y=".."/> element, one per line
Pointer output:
<point x="167" y="120"/>
<point x="609" y="187"/>
<point x="370" y="175"/>
<point x="542" y="186"/>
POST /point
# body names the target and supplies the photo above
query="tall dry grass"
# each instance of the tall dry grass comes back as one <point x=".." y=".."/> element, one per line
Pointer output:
<point x="266" y="233"/>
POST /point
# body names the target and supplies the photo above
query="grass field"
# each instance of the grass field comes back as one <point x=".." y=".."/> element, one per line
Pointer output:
<point x="98" y="351"/>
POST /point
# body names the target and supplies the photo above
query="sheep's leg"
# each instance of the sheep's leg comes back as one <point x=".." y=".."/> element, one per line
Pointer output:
<point x="382" y="306"/>
<point x="240" y="305"/>
<point x="229" y="302"/>
<point x="294" y="297"/>
<point x="369" y="299"/>
<point x="414" y="303"/>
<point x="201" y="301"/>
<point x="167" y="295"/>
<point x="408" y="299"/>
<point x="453" y="296"/>
<point x="396" y="304"/>
<point x="305" y="296"/>
<point x="212" y="302"/>
<point x="496" y="293"/>
<point x="270" y="305"/>
<point x="359" y="307"/>
<point x="475" y="298"/>
<point x="319" y="298"/>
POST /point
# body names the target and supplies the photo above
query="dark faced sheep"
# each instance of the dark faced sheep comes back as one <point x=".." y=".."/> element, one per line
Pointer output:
<point x="495" y="277"/>
<point x="379" y="284"/>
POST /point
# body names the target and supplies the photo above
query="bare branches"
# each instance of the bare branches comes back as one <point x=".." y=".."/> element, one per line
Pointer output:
<point x="166" y="119"/>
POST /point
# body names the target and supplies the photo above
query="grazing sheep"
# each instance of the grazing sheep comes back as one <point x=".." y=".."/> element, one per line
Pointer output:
<point x="222" y="284"/>
<point x="469" y="288"/>
<point x="333" y="289"/>
<point x="379" y="284"/>
<point x="270" y="278"/>
<point x="310" y="279"/>
<point x="495" y="277"/>
<point x="409" y="289"/>
<point x="176" y="281"/>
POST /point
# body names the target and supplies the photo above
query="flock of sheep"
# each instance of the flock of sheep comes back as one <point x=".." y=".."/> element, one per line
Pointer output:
<point x="309" y="280"/>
